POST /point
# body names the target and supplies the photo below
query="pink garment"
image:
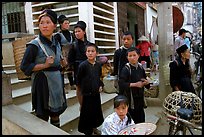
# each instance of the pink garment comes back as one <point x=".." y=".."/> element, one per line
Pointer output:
<point x="144" y="47"/>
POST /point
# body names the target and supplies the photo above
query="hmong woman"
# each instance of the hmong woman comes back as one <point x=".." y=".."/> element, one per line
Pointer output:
<point x="42" y="61"/>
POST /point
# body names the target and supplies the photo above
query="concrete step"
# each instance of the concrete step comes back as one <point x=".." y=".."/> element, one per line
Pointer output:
<point x="24" y="94"/>
<point x="24" y="100"/>
<point x="11" y="72"/>
<point x="69" y="119"/>
<point x="22" y="88"/>
<point x="9" y="67"/>
<point x="19" y="122"/>
<point x="21" y="95"/>
<point x="18" y="84"/>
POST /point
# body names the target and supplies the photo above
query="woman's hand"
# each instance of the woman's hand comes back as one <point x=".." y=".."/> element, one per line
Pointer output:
<point x="100" y="89"/>
<point x="49" y="61"/>
<point x="63" y="62"/>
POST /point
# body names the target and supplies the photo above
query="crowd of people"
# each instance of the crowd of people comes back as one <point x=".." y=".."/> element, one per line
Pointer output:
<point x="51" y="54"/>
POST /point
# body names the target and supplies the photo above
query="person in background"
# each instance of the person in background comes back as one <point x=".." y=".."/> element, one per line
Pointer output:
<point x="89" y="86"/>
<point x="145" y="48"/>
<point x="132" y="81"/>
<point x="120" y="58"/>
<point x="179" y="40"/>
<point x="155" y="57"/>
<point x="77" y="52"/>
<point x="180" y="71"/>
<point x="119" y="119"/>
<point x="48" y="96"/>
<point x="187" y="41"/>
<point x="64" y="29"/>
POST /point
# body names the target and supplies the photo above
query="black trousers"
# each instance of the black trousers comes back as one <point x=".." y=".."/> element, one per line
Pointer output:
<point x="137" y="114"/>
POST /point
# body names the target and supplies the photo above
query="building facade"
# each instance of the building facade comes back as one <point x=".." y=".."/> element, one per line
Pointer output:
<point x="106" y="21"/>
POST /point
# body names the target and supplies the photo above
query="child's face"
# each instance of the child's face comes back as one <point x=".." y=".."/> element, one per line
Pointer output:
<point x="91" y="53"/>
<point x="127" y="41"/>
<point x="122" y="110"/>
<point x="133" y="57"/>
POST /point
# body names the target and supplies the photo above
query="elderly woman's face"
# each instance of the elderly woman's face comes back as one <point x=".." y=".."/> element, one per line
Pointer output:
<point x="46" y="26"/>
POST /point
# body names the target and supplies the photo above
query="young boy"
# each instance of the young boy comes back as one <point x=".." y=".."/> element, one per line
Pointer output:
<point x="89" y="86"/>
<point x="131" y="84"/>
<point x="120" y="58"/>
<point x="119" y="119"/>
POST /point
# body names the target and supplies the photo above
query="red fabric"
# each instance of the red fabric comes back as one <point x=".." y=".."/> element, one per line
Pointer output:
<point x="144" y="47"/>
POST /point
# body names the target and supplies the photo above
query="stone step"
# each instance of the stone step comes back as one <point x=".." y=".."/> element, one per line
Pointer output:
<point x="11" y="72"/>
<point x="17" y="84"/>
<point x="69" y="119"/>
<point x="21" y="95"/>
<point x="23" y="100"/>
<point x="18" y="122"/>
<point x="21" y="90"/>
<point x="9" y="67"/>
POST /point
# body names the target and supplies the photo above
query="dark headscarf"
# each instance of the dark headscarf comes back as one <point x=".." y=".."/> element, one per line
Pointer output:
<point x="181" y="49"/>
<point x="62" y="18"/>
<point x="50" y="13"/>
<point x="81" y="24"/>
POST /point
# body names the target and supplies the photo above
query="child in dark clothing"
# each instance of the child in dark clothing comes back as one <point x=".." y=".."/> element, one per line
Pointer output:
<point x="120" y="58"/>
<point x="132" y="80"/>
<point x="89" y="86"/>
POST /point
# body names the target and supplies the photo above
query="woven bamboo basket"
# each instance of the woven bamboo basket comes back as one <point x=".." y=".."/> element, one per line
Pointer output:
<point x="19" y="47"/>
<point x="172" y="103"/>
<point x="153" y="92"/>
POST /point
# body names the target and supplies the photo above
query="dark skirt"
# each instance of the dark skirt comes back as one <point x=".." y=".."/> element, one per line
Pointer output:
<point x="40" y="97"/>
<point x="187" y="85"/>
<point x="91" y="115"/>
